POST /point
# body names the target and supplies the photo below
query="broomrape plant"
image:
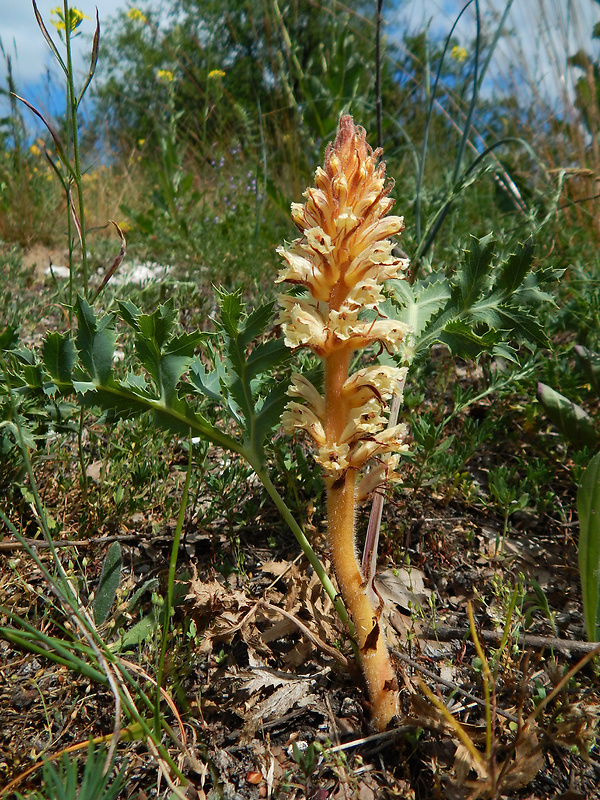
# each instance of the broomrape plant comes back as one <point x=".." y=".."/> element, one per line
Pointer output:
<point x="341" y="259"/>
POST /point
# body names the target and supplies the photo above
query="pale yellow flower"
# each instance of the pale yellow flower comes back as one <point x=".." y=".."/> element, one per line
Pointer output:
<point x="334" y="460"/>
<point x="303" y="388"/>
<point x="165" y="75"/>
<point x="136" y="15"/>
<point x="299" y="417"/>
<point x="389" y="440"/>
<point x="364" y="421"/>
<point x="459" y="54"/>
<point x="216" y="73"/>
<point x="365" y="294"/>
<point x="379" y="381"/>
<point x="35" y="150"/>
<point x="342" y="258"/>
<point x="382" y="471"/>
<point x="303" y="323"/>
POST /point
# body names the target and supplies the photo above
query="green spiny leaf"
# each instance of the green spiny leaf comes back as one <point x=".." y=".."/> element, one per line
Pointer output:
<point x="513" y="272"/>
<point x="419" y="303"/>
<point x="266" y="356"/>
<point x="157" y="327"/>
<point x="269" y="413"/>
<point x="59" y="355"/>
<point x="231" y="307"/>
<point x="130" y="313"/>
<point x="476" y="271"/>
<point x="95" y="341"/>
<point x="173" y="363"/>
<point x="463" y="342"/>
<point x="207" y="383"/>
<point x="523" y="326"/>
<point x="256" y="323"/>
<point x="9" y="337"/>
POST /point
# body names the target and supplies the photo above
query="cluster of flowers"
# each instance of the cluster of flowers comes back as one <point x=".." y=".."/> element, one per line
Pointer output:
<point x="342" y="257"/>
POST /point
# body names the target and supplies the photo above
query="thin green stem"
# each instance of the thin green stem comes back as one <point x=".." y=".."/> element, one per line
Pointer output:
<point x="84" y="479"/>
<point x="169" y="599"/>
<point x="486" y="676"/>
<point x="310" y="554"/>
<point x="72" y="118"/>
<point x="72" y="606"/>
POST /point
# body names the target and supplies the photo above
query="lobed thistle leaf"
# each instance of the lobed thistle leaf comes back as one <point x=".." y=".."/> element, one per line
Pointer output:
<point x="59" y="356"/>
<point x="95" y="341"/>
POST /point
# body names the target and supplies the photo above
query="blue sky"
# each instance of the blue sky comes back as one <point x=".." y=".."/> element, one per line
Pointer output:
<point x="30" y="56"/>
<point x="18" y="29"/>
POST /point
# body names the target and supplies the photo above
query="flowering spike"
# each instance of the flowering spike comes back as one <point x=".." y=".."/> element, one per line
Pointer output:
<point x="342" y="258"/>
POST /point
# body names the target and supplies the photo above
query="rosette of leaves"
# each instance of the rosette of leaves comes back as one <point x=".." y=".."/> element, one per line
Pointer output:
<point x="168" y="378"/>
<point x="483" y="305"/>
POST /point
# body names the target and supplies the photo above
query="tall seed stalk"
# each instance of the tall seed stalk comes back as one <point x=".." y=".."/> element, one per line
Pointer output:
<point x="341" y="259"/>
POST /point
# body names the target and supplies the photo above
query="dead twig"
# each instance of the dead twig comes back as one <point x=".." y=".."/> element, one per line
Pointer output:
<point x="449" y="684"/>
<point x="316" y="640"/>
<point x="7" y="545"/>
<point x="445" y="633"/>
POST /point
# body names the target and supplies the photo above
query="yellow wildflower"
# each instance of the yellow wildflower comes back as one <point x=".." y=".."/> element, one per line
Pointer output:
<point x="35" y="150"/>
<point x="459" y="53"/>
<point x="165" y="75"/>
<point x="136" y="15"/>
<point x="76" y="17"/>
<point x="216" y="73"/>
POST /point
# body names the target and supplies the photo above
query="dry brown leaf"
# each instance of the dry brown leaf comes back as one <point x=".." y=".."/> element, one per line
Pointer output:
<point x="298" y="655"/>
<point x="365" y="792"/>
<point x="404" y="588"/>
<point x="261" y="677"/>
<point x="292" y="693"/>
<point x="527" y="762"/>
<point x="224" y="612"/>
<point x="276" y="568"/>
<point x="279" y="629"/>
<point x="306" y="600"/>
<point x="464" y="763"/>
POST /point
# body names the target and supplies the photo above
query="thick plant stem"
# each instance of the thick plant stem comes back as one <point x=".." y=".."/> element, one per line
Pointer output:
<point x="341" y="501"/>
<point x="342" y="259"/>
<point x="375" y="661"/>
